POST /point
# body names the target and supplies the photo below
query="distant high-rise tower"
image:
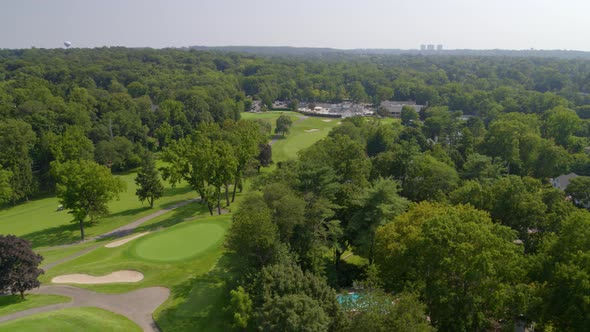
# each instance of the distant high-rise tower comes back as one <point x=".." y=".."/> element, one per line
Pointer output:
<point x="439" y="47"/>
<point x="422" y="47"/>
<point x="430" y="47"/>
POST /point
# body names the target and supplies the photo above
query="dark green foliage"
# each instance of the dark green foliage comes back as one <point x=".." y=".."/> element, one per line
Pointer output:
<point x="118" y="153"/>
<point x="464" y="266"/>
<point x="85" y="188"/>
<point x="283" y="125"/>
<point x="5" y="189"/>
<point x="524" y="204"/>
<point x="409" y="116"/>
<point x="149" y="185"/>
<point x="18" y="265"/>
<point x="579" y="190"/>
<point x="563" y="276"/>
<point x="378" y="205"/>
<point x="17" y="140"/>
<point x="292" y="313"/>
<point x="253" y="237"/>
<point x="264" y="157"/>
<point x="380" y="312"/>
<point x="302" y="296"/>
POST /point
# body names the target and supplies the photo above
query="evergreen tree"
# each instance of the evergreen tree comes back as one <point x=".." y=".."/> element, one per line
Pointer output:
<point x="149" y="185"/>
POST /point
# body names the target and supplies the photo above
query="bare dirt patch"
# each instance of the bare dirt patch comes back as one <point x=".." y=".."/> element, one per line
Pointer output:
<point x="117" y="276"/>
<point x="125" y="240"/>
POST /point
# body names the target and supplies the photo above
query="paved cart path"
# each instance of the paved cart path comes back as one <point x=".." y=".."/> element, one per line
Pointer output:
<point x="137" y="305"/>
<point x="119" y="232"/>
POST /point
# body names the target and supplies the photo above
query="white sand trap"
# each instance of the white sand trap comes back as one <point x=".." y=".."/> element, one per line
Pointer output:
<point x="327" y="120"/>
<point x="311" y="130"/>
<point x="125" y="240"/>
<point x="117" y="276"/>
<point x="339" y="122"/>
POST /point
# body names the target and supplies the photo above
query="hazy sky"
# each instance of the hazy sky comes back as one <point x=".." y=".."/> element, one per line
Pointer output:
<point x="475" y="24"/>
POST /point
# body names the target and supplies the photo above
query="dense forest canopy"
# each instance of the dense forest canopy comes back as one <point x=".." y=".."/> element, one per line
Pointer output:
<point x="440" y="207"/>
<point x="114" y="102"/>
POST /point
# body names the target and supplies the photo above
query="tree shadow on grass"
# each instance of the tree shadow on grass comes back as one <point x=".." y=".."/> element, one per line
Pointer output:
<point x="129" y="212"/>
<point x="190" y="211"/>
<point x="6" y="300"/>
<point x="202" y="303"/>
<point x="57" y="235"/>
<point x="177" y="191"/>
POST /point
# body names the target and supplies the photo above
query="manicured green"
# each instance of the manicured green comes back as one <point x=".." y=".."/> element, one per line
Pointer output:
<point x="179" y="243"/>
<point x="14" y="303"/>
<point x="86" y="319"/>
<point x="156" y="273"/>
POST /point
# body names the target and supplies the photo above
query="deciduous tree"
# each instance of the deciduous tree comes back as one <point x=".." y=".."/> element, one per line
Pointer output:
<point x="85" y="188"/>
<point x="579" y="190"/>
<point x="19" y="265"/>
<point x="464" y="265"/>
<point x="283" y="125"/>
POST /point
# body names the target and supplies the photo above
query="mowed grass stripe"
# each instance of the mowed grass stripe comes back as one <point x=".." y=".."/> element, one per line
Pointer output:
<point x="179" y="243"/>
<point x="87" y="319"/>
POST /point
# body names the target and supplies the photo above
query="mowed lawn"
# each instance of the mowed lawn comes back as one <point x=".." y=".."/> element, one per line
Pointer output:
<point x="14" y="303"/>
<point x="87" y="319"/>
<point x="303" y="134"/>
<point x="39" y="222"/>
<point x="184" y="252"/>
<point x="185" y="261"/>
<point x="270" y="116"/>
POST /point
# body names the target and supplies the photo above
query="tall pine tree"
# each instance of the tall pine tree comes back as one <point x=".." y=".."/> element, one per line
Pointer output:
<point x="149" y="185"/>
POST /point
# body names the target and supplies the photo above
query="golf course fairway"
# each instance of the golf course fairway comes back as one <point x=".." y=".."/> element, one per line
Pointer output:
<point x="86" y="319"/>
<point x="179" y="243"/>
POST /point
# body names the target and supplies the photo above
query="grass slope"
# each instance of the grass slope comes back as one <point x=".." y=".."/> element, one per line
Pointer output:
<point x="301" y="136"/>
<point x="39" y="222"/>
<point x="14" y="303"/>
<point x="72" y="319"/>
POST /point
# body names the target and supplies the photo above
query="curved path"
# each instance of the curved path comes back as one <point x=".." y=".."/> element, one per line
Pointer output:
<point x="137" y="305"/>
<point x="119" y="232"/>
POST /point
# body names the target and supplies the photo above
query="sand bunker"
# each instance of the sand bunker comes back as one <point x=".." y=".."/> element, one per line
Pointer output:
<point x="117" y="276"/>
<point x="311" y="130"/>
<point x="125" y="240"/>
<point x="327" y="120"/>
<point x="339" y="122"/>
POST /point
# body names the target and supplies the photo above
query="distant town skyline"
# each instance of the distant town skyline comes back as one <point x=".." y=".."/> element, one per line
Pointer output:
<point x="343" y="24"/>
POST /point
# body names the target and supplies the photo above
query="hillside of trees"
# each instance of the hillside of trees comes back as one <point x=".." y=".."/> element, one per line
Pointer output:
<point x="449" y="212"/>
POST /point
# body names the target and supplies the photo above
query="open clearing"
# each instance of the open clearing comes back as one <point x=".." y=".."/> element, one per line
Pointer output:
<point x="298" y="139"/>
<point x="39" y="222"/>
<point x="72" y="319"/>
<point x="121" y="242"/>
<point x="115" y="277"/>
<point x="179" y="243"/>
